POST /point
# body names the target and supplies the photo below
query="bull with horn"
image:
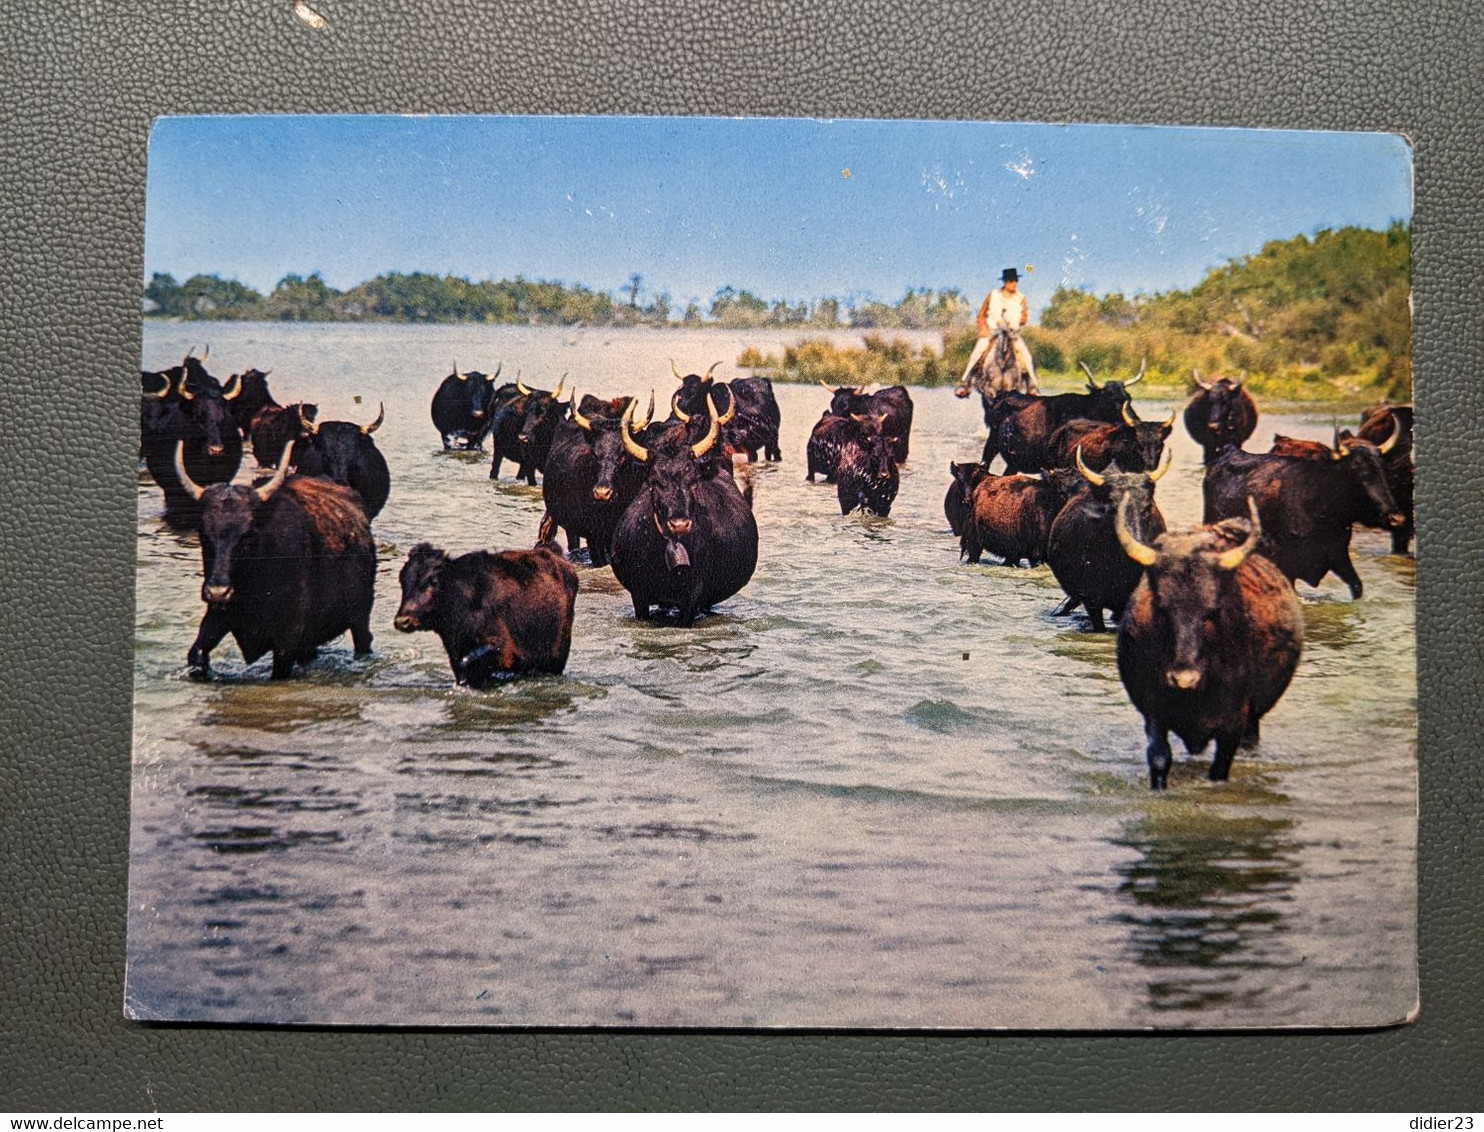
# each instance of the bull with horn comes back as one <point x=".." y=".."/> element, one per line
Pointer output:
<point x="1081" y="548"/>
<point x="287" y="567"/>
<point x="1021" y="426"/>
<point x="591" y="478"/>
<point x="1209" y="640"/>
<point x="344" y="452"/>
<point x="1220" y="415"/>
<point x="689" y="539"/>
<point x="749" y="405"/>
<point x="524" y="428"/>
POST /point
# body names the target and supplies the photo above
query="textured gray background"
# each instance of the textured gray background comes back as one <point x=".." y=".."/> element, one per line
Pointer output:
<point x="78" y="89"/>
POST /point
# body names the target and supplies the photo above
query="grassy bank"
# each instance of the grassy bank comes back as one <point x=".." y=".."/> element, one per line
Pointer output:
<point x="1110" y="353"/>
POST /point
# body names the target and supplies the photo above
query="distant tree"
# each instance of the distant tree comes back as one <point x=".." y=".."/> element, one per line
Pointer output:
<point x="635" y="282"/>
<point x="299" y="299"/>
<point x="164" y="295"/>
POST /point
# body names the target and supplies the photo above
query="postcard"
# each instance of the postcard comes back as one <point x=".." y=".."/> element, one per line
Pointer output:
<point x="742" y="573"/>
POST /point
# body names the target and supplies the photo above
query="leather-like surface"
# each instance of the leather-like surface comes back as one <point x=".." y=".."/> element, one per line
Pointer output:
<point x="79" y="85"/>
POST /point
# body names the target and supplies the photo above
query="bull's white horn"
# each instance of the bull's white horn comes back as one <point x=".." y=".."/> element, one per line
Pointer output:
<point x="193" y="489"/>
<point x="235" y="380"/>
<point x="265" y="492"/>
<point x="632" y="446"/>
<point x="367" y="430"/>
<point x="1088" y="474"/>
<point x="1396" y="433"/>
<point x="1138" y="551"/>
<point x="577" y="418"/>
<point x="702" y="446"/>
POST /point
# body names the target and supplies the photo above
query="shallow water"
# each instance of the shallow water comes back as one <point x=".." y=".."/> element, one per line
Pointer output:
<point x="877" y="787"/>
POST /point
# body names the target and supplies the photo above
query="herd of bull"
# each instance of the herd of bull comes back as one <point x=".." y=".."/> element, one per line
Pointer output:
<point x="1209" y="626"/>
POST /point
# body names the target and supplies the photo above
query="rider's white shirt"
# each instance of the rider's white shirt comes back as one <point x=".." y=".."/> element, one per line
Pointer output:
<point x="1006" y="308"/>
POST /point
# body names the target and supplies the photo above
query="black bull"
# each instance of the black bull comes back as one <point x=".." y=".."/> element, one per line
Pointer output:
<point x="590" y="477"/>
<point x="1082" y="550"/>
<point x="866" y="476"/>
<point x="1209" y="640"/>
<point x="524" y="426"/>
<point x="689" y="539"/>
<point x="1219" y="416"/>
<point x="1306" y="506"/>
<point x="894" y="403"/>
<point x="464" y="407"/>
<point x="757" y="417"/>
<point x="287" y="567"/>
<point x="187" y="408"/>
<point x="344" y="452"/>
<point x="1021" y="424"/>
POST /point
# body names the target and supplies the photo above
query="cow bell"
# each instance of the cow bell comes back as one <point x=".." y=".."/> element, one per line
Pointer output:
<point x="676" y="556"/>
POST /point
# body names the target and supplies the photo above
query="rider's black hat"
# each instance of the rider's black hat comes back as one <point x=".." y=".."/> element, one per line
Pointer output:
<point x="1009" y="275"/>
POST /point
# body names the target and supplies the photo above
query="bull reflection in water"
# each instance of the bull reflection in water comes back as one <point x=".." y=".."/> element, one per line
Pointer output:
<point x="1207" y="895"/>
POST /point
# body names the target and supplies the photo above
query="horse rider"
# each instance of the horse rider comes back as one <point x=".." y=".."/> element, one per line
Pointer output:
<point x="1003" y="310"/>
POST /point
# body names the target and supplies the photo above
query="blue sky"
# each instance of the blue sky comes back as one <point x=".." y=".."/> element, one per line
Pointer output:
<point x="792" y="208"/>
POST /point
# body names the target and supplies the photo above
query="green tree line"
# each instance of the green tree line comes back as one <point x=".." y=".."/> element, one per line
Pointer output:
<point x="422" y="297"/>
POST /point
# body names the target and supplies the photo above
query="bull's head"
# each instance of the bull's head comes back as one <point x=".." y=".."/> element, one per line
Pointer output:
<point x="420" y="578"/>
<point x="1363" y="460"/>
<point x="694" y="387"/>
<point x="1189" y="580"/>
<point x="674" y="474"/>
<point x="880" y="455"/>
<point x="1148" y="436"/>
<point x="226" y="522"/>
<point x="542" y="412"/>
<point x="479" y="388"/>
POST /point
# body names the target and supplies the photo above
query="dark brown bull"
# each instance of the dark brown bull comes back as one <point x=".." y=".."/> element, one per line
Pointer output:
<point x="1011" y="516"/>
<point x="1220" y="415"/>
<point x="1132" y="444"/>
<point x="1209" y="641"/>
<point x="273" y="428"/>
<point x="965" y="478"/>
<point x="1083" y="549"/>
<point x="1307" y="505"/>
<point x="288" y="567"/>
<point x="496" y="613"/>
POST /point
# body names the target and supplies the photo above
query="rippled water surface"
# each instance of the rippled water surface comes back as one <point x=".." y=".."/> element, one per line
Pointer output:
<point x="877" y="787"/>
